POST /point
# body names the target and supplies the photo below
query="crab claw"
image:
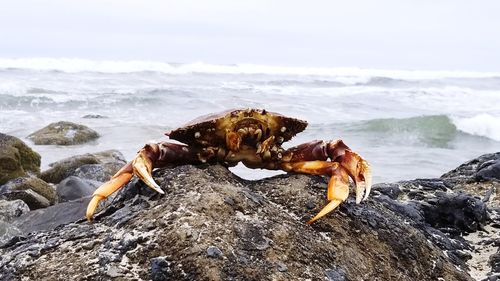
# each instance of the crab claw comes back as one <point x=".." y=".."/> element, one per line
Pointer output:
<point x="349" y="165"/>
<point x="121" y="178"/>
<point x="360" y="172"/>
<point x="141" y="166"/>
<point x="142" y="169"/>
<point x="338" y="191"/>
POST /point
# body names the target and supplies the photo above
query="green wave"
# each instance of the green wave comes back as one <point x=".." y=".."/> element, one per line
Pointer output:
<point x="435" y="130"/>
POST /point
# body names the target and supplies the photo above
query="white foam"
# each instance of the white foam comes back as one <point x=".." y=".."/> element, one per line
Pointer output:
<point x="348" y="74"/>
<point x="483" y="124"/>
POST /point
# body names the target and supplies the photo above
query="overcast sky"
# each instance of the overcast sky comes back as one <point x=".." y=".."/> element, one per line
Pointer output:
<point x="390" y="34"/>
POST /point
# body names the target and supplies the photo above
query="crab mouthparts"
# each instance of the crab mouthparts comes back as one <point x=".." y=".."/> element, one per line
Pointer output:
<point x="250" y="134"/>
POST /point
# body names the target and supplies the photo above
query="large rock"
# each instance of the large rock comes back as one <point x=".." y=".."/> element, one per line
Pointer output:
<point x="63" y="133"/>
<point x="212" y="225"/>
<point x="12" y="209"/>
<point x="485" y="167"/>
<point x="72" y="188"/>
<point x="97" y="166"/>
<point x="32" y="190"/>
<point x="16" y="159"/>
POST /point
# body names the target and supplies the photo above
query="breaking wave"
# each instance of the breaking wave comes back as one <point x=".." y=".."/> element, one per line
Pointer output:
<point x="73" y="65"/>
<point x="434" y="131"/>
<point x="484" y="125"/>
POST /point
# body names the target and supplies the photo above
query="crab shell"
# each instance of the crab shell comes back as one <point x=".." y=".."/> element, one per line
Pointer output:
<point x="210" y="130"/>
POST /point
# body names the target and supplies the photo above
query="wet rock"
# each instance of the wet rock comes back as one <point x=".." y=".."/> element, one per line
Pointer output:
<point x="73" y="188"/>
<point x="105" y="164"/>
<point x="491" y="171"/>
<point x="33" y="191"/>
<point x="63" y="133"/>
<point x="16" y="159"/>
<point x="51" y="217"/>
<point x="97" y="172"/>
<point x="457" y="212"/>
<point x="94" y="116"/>
<point x="467" y="172"/>
<point x="12" y="209"/>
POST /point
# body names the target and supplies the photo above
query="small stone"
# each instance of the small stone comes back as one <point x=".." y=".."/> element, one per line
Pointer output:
<point x="214" y="252"/>
<point x="282" y="267"/>
<point x="336" y="274"/>
<point x="114" y="271"/>
<point x="160" y="269"/>
<point x="310" y="205"/>
<point x="229" y="201"/>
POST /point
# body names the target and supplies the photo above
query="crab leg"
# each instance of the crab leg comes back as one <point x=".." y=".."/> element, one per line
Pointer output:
<point x="122" y="177"/>
<point x="311" y="158"/>
<point x="149" y="157"/>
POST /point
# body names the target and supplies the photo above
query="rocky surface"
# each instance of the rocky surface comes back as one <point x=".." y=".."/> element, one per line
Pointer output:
<point x="212" y="225"/>
<point x="16" y="159"/>
<point x="63" y="133"/>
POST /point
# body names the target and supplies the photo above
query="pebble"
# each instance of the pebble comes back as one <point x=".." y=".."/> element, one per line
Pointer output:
<point x="160" y="269"/>
<point x="282" y="267"/>
<point x="214" y="252"/>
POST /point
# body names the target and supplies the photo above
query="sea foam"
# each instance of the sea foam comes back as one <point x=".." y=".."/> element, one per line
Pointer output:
<point x="484" y="125"/>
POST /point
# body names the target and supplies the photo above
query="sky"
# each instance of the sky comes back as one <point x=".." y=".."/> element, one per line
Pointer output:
<point x="385" y="34"/>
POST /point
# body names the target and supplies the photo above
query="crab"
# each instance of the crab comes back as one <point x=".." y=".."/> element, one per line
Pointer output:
<point x="253" y="137"/>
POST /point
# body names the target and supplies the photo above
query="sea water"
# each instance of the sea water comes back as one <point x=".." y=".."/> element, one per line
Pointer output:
<point x="407" y="124"/>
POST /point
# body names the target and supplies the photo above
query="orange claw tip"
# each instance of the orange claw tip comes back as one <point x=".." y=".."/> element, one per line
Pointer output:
<point x="92" y="207"/>
<point x="327" y="209"/>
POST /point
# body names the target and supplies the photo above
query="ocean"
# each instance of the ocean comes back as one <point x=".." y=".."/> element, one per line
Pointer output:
<point x="407" y="124"/>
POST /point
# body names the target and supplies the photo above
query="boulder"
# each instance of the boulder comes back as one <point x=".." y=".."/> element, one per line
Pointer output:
<point x="63" y="133"/>
<point x="97" y="166"/>
<point x="490" y="171"/>
<point x="72" y="188"/>
<point x="7" y="232"/>
<point x="484" y="167"/>
<point x="28" y="196"/>
<point x="16" y="159"/>
<point x="33" y="191"/>
<point x="12" y="209"/>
